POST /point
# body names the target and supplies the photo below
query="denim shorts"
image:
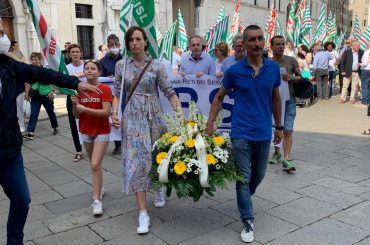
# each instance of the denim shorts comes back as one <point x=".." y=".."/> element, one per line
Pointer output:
<point x="290" y="112"/>
<point x="89" y="139"/>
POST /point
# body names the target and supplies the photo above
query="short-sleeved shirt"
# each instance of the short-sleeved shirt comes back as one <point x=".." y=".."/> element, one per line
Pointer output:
<point x="252" y="99"/>
<point x="93" y="125"/>
<point x="108" y="64"/>
<point x="228" y="62"/>
<point x="292" y="68"/>
<point x="204" y="64"/>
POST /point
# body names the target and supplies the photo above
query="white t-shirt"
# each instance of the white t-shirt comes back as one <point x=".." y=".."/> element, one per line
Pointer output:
<point x="335" y="55"/>
<point x="176" y="61"/>
<point x="218" y="66"/>
<point x="73" y="70"/>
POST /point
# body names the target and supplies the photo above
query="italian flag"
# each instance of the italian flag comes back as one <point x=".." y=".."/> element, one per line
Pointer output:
<point x="49" y="46"/>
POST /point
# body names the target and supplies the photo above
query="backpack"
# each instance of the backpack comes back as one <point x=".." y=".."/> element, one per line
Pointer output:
<point x="303" y="89"/>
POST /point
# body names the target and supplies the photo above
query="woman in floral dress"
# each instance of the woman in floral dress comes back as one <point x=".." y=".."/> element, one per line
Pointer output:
<point x="143" y="118"/>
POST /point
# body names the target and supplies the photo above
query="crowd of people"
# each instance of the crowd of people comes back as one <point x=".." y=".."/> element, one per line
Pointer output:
<point x="262" y="80"/>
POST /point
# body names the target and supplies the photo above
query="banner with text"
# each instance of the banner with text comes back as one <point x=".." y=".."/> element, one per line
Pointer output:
<point x="202" y="90"/>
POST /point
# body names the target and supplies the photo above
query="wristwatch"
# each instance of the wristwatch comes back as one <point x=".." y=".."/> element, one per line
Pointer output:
<point x="279" y="128"/>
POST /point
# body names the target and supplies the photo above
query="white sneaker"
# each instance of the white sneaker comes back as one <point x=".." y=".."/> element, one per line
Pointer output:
<point x="144" y="223"/>
<point x="97" y="207"/>
<point x="101" y="194"/>
<point x="247" y="232"/>
<point x="159" y="199"/>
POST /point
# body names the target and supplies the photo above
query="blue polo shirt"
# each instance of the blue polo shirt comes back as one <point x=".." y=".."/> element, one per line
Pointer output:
<point x="108" y="64"/>
<point x="253" y="99"/>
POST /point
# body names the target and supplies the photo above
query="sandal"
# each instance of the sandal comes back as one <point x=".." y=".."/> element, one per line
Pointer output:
<point x="366" y="132"/>
<point x="78" y="157"/>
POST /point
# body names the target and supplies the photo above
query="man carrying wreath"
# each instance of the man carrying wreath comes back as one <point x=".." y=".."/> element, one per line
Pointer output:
<point x="255" y="82"/>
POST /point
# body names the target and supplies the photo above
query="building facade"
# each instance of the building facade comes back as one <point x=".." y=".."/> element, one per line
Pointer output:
<point x="361" y="8"/>
<point x="89" y="22"/>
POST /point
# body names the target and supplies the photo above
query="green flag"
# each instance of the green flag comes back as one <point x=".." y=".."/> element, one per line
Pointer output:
<point x="182" y="38"/>
<point x="167" y="43"/>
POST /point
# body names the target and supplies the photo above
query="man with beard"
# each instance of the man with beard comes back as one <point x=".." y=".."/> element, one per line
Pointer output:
<point x="255" y="82"/>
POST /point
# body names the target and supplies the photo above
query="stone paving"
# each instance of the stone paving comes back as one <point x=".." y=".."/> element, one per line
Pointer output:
<point x="327" y="201"/>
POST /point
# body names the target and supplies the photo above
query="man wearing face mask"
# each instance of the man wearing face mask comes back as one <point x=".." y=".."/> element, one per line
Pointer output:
<point x="12" y="175"/>
<point x="108" y="65"/>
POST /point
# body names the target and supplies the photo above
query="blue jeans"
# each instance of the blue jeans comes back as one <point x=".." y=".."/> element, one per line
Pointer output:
<point x="36" y="103"/>
<point x="13" y="180"/>
<point x="251" y="158"/>
<point x="365" y="98"/>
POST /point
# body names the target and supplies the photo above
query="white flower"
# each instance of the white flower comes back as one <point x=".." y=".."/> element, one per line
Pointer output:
<point x="196" y="171"/>
<point x="218" y="166"/>
<point x="188" y="170"/>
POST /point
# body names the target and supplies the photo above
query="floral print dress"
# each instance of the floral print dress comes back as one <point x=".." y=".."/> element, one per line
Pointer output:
<point x="143" y="120"/>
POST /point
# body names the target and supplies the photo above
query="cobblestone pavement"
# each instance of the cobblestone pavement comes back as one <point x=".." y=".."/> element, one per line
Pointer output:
<point x="327" y="201"/>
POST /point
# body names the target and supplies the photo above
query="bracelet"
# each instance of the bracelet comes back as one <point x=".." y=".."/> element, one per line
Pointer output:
<point x="280" y="128"/>
<point x="114" y="113"/>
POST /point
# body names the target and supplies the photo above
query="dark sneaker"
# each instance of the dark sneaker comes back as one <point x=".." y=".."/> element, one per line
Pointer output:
<point x="247" y="233"/>
<point x="275" y="158"/>
<point x="29" y="136"/>
<point x="288" y="165"/>
<point x="56" y="131"/>
<point x="116" y="151"/>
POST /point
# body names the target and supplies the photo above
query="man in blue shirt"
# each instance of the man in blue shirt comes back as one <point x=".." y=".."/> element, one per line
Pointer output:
<point x="108" y="65"/>
<point x="321" y="71"/>
<point x="239" y="53"/>
<point x="255" y="82"/>
<point x="197" y="62"/>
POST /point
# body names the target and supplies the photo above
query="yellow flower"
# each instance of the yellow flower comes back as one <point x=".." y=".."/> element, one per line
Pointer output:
<point x="160" y="157"/>
<point x="180" y="168"/>
<point x="191" y="124"/>
<point x="166" y="136"/>
<point x="190" y="143"/>
<point x="218" y="140"/>
<point x="211" y="159"/>
<point x="173" y="139"/>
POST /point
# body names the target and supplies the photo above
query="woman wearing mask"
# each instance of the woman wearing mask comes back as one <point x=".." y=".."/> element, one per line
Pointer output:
<point x="143" y="120"/>
<point x="75" y="68"/>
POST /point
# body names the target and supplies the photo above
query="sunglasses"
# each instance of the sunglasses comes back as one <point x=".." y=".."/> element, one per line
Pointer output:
<point x="92" y="60"/>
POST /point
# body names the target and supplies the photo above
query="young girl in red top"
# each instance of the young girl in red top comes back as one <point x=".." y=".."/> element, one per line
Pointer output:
<point x="93" y="111"/>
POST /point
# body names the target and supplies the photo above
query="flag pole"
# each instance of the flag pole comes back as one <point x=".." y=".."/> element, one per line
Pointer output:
<point x="124" y="56"/>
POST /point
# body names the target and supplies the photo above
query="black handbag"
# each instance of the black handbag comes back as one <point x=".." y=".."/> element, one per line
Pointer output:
<point x="33" y="93"/>
<point x="303" y="89"/>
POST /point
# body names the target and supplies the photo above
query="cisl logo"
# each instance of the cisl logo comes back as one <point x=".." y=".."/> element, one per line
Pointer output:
<point x="87" y="100"/>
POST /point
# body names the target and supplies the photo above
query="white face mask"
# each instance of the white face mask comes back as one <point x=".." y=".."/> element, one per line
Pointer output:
<point x="114" y="51"/>
<point x="105" y="51"/>
<point x="4" y="44"/>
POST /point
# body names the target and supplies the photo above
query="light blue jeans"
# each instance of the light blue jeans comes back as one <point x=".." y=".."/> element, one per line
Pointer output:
<point x="251" y="158"/>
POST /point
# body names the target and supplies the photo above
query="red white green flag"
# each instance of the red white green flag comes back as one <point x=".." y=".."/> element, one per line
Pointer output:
<point x="290" y="23"/>
<point x="270" y="28"/>
<point x="321" y="26"/>
<point x="234" y="28"/>
<point x="365" y="38"/>
<point x="49" y="46"/>
<point x="356" y="30"/>
<point x="182" y="38"/>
